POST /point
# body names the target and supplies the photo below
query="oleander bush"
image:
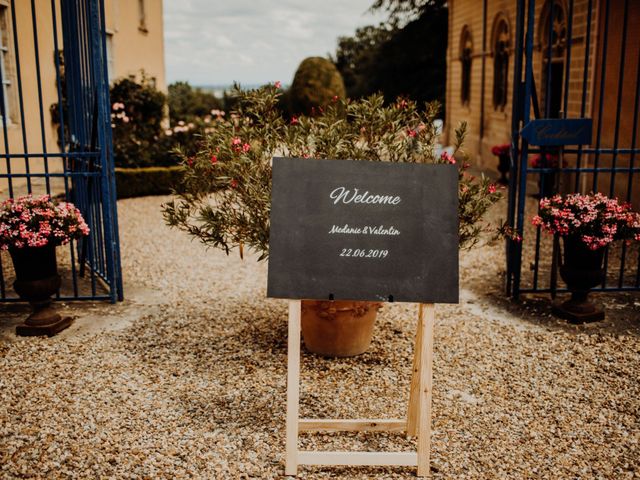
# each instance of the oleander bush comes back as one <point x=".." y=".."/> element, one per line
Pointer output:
<point x="137" y="112"/>
<point x="235" y="160"/>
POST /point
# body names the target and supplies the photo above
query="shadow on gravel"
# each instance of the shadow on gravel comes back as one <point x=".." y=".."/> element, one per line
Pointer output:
<point x="622" y="311"/>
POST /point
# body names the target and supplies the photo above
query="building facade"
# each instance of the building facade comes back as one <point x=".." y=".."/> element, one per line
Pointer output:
<point x="135" y="47"/>
<point x="601" y="85"/>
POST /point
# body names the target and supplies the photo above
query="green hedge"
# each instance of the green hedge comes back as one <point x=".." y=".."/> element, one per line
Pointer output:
<point x="141" y="182"/>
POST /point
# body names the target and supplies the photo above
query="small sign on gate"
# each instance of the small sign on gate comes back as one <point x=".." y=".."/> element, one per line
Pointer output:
<point x="558" y="131"/>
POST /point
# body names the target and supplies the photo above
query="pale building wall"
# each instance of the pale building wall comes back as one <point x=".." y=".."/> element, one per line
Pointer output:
<point x="134" y="48"/>
<point x="137" y="46"/>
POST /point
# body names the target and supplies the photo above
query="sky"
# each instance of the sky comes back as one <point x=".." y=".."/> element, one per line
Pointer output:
<point x="217" y="42"/>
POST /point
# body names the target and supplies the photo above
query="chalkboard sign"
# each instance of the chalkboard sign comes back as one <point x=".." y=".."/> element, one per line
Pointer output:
<point x="360" y="230"/>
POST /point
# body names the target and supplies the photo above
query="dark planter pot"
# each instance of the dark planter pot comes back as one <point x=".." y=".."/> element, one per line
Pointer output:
<point x="36" y="280"/>
<point x="504" y="165"/>
<point x="581" y="270"/>
<point x="547" y="185"/>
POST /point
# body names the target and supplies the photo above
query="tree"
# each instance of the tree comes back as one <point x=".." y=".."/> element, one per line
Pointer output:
<point x="404" y="57"/>
<point x="356" y="58"/>
<point x="186" y="103"/>
<point x="316" y="83"/>
<point x="137" y="112"/>
<point x="404" y="10"/>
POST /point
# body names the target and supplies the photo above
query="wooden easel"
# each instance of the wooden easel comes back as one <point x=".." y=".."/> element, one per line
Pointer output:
<point x="418" y="421"/>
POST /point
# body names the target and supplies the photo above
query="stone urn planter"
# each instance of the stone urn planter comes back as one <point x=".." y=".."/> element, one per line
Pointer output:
<point x="504" y="165"/>
<point x="581" y="270"/>
<point x="504" y="161"/>
<point x="36" y="280"/>
<point x="547" y="185"/>
<point x="338" y="328"/>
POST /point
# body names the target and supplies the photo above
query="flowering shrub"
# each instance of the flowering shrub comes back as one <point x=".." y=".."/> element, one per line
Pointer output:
<point x="595" y="218"/>
<point x="499" y="150"/>
<point x="235" y="161"/>
<point x="546" y="160"/>
<point x="36" y="221"/>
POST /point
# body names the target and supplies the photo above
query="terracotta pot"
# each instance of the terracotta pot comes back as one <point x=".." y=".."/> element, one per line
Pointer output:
<point x="338" y="328"/>
<point x="581" y="270"/>
<point x="36" y="280"/>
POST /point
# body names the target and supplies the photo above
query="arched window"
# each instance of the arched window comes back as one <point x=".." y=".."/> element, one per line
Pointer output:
<point x="553" y="42"/>
<point x="466" y="50"/>
<point x="500" y="43"/>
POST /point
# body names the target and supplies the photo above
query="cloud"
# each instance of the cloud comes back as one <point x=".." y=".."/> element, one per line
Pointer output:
<point x="254" y="41"/>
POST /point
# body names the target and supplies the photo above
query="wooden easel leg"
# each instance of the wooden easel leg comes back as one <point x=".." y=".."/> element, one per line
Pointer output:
<point x="412" y="413"/>
<point x="427" y="321"/>
<point x="293" y="388"/>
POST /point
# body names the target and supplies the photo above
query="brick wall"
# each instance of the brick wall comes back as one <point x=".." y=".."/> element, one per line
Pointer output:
<point x="489" y="126"/>
<point x="496" y="122"/>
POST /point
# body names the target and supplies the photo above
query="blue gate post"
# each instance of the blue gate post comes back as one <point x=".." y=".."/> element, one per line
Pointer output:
<point x="109" y="205"/>
<point x="523" y="98"/>
<point x="85" y="153"/>
<point x="517" y="104"/>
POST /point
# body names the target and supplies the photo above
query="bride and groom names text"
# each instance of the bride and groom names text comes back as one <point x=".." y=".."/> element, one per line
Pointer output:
<point x="346" y="196"/>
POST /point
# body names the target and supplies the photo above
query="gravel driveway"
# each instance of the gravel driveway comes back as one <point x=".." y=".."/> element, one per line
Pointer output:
<point x="187" y="378"/>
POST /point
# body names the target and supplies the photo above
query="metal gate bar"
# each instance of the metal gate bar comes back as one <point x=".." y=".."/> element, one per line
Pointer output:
<point x="622" y="262"/>
<point x="80" y="167"/>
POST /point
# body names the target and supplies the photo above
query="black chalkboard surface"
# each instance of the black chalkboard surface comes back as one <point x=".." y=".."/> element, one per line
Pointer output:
<point x="359" y="230"/>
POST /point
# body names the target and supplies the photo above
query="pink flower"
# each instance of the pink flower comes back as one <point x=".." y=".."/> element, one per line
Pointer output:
<point x="236" y="141"/>
<point x="491" y="188"/>
<point x="498" y="150"/>
<point x="447" y="157"/>
<point x="277" y="84"/>
<point x="214" y="159"/>
<point x="335" y="98"/>
<point x="246" y="147"/>
<point x="35" y="222"/>
<point x="596" y="219"/>
<point x="412" y="133"/>
<point x="294" y="120"/>
<point x="233" y="183"/>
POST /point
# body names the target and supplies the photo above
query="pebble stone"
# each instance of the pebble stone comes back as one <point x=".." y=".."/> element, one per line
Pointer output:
<point x="193" y="385"/>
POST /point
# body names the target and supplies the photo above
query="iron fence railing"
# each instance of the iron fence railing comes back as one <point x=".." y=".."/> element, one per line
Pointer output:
<point x="567" y="66"/>
<point x="56" y="130"/>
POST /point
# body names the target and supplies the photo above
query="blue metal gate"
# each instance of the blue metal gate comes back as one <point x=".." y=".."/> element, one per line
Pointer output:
<point x="576" y="80"/>
<point x="57" y="132"/>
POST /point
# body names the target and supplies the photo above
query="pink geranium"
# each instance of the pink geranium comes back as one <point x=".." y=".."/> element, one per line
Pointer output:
<point x="499" y="150"/>
<point x="596" y="219"/>
<point x="546" y="160"/>
<point x="36" y="221"/>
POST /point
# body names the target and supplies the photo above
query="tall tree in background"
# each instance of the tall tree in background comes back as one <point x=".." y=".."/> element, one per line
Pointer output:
<point x="186" y="102"/>
<point x="404" y="57"/>
<point x="403" y="10"/>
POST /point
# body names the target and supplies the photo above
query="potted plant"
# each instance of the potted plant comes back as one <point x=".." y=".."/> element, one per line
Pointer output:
<point x="30" y="229"/>
<point x="504" y="162"/>
<point x="587" y="224"/>
<point x="235" y="162"/>
<point x="547" y="179"/>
